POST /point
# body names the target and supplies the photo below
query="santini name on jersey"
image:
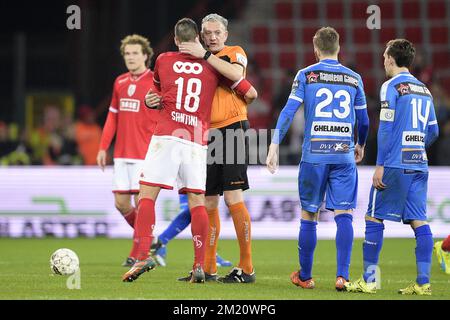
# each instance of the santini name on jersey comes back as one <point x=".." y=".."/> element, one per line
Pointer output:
<point x="325" y="128"/>
<point x="184" y="118"/>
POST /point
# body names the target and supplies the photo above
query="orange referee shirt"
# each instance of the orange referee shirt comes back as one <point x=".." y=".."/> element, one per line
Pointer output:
<point x="228" y="107"/>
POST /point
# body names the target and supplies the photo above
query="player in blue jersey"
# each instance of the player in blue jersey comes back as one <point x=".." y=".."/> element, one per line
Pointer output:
<point x="334" y="100"/>
<point x="399" y="193"/>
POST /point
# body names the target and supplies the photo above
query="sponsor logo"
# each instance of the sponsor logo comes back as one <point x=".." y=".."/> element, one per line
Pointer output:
<point x="241" y="59"/>
<point x="295" y="85"/>
<point x="414" y="156"/>
<point x="129" y="105"/>
<point x="413" y="138"/>
<point x="331" y="78"/>
<point x="326" y="128"/>
<point x="412" y="88"/>
<point x="197" y="241"/>
<point x="187" y="67"/>
<point x="325" y="146"/>
<point x="403" y="88"/>
<point x="131" y="89"/>
<point x="312" y="77"/>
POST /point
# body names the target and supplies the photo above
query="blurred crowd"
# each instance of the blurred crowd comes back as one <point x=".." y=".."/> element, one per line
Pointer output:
<point x="59" y="139"/>
<point x="62" y="139"/>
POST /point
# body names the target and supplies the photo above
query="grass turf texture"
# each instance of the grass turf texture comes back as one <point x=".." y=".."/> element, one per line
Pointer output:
<point x="25" y="272"/>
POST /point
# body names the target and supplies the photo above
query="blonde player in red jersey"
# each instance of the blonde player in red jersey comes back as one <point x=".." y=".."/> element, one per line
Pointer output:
<point x="177" y="151"/>
<point x="132" y="124"/>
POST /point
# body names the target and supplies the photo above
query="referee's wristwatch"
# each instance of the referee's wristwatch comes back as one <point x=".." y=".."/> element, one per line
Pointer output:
<point x="207" y="55"/>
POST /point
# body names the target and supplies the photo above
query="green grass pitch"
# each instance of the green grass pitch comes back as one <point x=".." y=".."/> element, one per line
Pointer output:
<point x="25" y="272"/>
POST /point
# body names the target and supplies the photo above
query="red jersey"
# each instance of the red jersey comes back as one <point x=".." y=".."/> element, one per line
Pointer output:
<point x="132" y="122"/>
<point x="187" y="86"/>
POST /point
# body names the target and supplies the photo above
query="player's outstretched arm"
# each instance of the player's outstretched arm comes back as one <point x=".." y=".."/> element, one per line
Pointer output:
<point x="233" y="72"/>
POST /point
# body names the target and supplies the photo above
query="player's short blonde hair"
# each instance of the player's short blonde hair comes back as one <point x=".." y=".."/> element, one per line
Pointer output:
<point x="186" y="30"/>
<point x="326" y="40"/>
<point x="138" y="39"/>
<point x="214" y="17"/>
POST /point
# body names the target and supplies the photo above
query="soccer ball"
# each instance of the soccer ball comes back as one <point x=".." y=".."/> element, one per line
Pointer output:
<point x="64" y="262"/>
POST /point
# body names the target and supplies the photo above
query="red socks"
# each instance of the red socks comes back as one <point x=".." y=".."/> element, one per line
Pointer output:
<point x="130" y="217"/>
<point x="143" y="227"/>
<point x="199" y="229"/>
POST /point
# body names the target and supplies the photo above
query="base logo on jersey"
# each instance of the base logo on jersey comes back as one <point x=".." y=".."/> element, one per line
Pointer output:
<point x="414" y="156"/>
<point x="131" y="89"/>
<point x="331" y="78"/>
<point x="130" y="105"/>
<point x="329" y="146"/>
<point x="328" y="128"/>
<point x="413" y="138"/>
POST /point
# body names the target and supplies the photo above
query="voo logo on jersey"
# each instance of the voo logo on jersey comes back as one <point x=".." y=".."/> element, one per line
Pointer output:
<point x="187" y="67"/>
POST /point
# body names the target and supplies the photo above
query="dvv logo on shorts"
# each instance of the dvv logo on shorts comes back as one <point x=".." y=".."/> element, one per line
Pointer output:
<point x="187" y="67"/>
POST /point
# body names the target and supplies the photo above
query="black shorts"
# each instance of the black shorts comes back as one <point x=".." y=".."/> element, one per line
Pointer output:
<point x="228" y="158"/>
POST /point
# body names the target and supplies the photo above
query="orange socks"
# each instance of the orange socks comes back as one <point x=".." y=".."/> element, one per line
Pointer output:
<point x="242" y="224"/>
<point x="211" y="242"/>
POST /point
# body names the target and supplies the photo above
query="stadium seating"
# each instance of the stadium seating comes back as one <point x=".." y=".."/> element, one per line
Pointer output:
<point x="284" y="40"/>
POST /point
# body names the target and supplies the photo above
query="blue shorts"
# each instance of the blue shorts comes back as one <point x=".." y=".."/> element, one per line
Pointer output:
<point x="405" y="197"/>
<point x="338" y="181"/>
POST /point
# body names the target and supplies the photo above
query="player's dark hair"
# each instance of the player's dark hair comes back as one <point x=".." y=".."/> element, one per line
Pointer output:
<point x="186" y="30"/>
<point x="326" y="40"/>
<point x="138" y="39"/>
<point x="402" y="51"/>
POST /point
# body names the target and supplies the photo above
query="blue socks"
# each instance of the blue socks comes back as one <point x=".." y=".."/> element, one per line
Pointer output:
<point x="424" y="250"/>
<point x="181" y="221"/>
<point x="307" y="240"/>
<point x="372" y="245"/>
<point x="344" y="243"/>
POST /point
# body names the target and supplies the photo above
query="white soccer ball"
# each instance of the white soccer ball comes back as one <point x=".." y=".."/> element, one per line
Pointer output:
<point x="64" y="262"/>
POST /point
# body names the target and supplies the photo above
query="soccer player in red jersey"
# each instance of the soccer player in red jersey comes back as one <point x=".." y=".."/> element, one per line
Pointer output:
<point x="177" y="151"/>
<point x="132" y="124"/>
